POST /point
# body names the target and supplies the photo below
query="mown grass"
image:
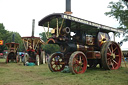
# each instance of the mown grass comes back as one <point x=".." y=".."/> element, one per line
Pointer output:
<point x="17" y="74"/>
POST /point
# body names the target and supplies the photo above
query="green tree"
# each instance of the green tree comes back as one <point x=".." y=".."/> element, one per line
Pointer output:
<point x="43" y="36"/>
<point x="6" y="36"/>
<point x="120" y="13"/>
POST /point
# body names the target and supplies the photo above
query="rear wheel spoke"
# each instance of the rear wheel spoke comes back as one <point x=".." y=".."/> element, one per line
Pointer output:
<point x="114" y="61"/>
<point x="108" y="54"/>
<point x="117" y="55"/>
<point x="109" y="50"/>
<point x="114" y="50"/>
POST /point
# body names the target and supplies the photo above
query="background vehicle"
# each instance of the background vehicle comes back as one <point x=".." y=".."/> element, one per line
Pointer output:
<point x="12" y="51"/>
<point x="33" y="47"/>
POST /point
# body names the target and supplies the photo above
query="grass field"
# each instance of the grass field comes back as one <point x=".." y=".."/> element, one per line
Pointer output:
<point x="17" y="74"/>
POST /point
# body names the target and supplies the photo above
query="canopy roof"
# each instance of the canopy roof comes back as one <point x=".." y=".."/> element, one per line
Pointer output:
<point x="12" y="43"/>
<point x="31" y="39"/>
<point x="76" y="23"/>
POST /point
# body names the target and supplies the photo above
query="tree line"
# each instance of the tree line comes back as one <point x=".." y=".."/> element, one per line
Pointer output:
<point x="6" y="36"/>
<point x="119" y="11"/>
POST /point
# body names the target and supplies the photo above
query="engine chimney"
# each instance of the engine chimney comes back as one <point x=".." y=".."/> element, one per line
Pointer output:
<point x="33" y="26"/>
<point x="13" y="37"/>
<point x="68" y="7"/>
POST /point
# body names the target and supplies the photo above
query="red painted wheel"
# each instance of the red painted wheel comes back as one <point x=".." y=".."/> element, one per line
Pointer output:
<point x="111" y="55"/>
<point x="78" y="62"/>
<point x="56" y="62"/>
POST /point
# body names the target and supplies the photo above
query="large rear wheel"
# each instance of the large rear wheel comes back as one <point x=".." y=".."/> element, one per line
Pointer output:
<point x="111" y="55"/>
<point x="78" y="62"/>
<point x="56" y="62"/>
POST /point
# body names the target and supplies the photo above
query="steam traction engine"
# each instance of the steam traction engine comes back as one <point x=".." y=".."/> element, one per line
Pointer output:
<point x="12" y="51"/>
<point x="34" y="51"/>
<point x="33" y="47"/>
<point x="82" y="43"/>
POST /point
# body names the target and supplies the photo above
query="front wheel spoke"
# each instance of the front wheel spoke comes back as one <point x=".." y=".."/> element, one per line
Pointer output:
<point x="77" y="62"/>
<point x="56" y="67"/>
<point x="112" y="65"/>
<point x="53" y="60"/>
<point x="75" y="66"/>
<point x="74" y="60"/>
<point x="60" y="66"/>
<point x="79" y="68"/>
<point x="52" y="63"/>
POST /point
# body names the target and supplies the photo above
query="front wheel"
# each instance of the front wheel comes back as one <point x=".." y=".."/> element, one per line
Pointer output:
<point x="78" y="62"/>
<point x="56" y="62"/>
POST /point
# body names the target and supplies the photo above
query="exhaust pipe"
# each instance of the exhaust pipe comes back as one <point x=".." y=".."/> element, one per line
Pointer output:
<point x="33" y="26"/>
<point x="68" y="7"/>
<point x="13" y="37"/>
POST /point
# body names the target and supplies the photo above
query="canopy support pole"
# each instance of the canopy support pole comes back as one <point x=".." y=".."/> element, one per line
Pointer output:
<point x="57" y="27"/>
<point x="61" y="26"/>
<point x="45" y="32"/>
<point x="48" y="30"/>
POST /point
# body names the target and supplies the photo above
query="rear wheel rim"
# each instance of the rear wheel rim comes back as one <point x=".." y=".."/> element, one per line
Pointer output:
<point x="111" y="56"/>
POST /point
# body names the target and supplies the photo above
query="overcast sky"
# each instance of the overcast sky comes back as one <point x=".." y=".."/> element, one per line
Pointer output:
<point x="17" y="15"/>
